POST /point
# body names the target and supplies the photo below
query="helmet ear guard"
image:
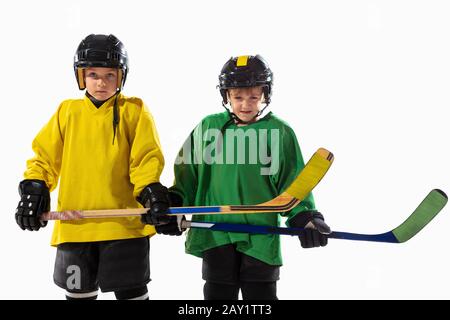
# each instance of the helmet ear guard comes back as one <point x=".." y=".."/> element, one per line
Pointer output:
<point x="120" y="79"/>
<point x="267" y="91"/>
<point x="79" y="74"/>
<point x="224" y="94"/>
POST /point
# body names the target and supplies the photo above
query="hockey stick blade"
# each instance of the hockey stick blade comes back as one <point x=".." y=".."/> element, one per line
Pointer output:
<point x="313" y="172"/>
<point x="433" y="203"/>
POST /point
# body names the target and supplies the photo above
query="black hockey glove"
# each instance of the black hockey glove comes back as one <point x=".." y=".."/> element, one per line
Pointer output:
<point x="174" y="227"/>
<point x="316" y="230"/>
<point x="34" y="200"/>
<point x="156" y="197"/>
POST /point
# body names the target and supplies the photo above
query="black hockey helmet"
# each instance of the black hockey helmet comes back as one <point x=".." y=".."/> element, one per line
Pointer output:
<point x="98" y="50"/>
<point x="246" y="71"/>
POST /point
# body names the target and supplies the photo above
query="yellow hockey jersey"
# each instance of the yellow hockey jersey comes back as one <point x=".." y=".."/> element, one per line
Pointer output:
<point x="76" y="147"/>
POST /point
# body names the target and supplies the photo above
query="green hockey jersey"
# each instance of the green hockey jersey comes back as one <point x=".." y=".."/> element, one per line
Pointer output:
<point x="238" y="165"/>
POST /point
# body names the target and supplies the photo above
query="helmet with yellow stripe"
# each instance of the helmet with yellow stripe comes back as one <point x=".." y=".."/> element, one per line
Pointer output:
<point x="246" y="71"/>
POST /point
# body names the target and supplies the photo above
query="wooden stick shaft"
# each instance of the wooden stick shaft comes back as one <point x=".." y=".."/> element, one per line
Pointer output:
<point x="280" y="204"/>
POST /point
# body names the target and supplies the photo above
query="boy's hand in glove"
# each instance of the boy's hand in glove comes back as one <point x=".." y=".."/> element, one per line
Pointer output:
<point x="316" y="230"/>
<point x="156" y="197"/>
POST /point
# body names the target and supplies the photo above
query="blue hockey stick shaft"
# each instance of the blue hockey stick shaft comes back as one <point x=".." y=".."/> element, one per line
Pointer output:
<point x="255" y="229"/>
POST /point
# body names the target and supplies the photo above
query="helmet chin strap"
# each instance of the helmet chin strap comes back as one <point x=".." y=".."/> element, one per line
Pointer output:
<point x="115" y="116"/>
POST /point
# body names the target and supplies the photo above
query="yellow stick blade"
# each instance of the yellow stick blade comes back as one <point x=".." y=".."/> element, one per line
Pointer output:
<point x="314" y="171"/>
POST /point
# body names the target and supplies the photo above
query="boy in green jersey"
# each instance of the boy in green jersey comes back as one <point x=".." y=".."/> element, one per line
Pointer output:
<point x="240" y="157"/>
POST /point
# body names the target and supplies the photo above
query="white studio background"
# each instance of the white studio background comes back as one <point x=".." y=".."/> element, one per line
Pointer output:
<point x="369" y="80"/>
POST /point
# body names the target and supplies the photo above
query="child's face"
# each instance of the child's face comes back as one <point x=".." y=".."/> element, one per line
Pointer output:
<point x="101" y="83"/>
<point x="246" y="102"/>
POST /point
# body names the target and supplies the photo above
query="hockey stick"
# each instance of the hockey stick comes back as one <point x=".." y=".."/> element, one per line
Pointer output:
<point x="425" y="212"/>
<point x="304" y="183"/>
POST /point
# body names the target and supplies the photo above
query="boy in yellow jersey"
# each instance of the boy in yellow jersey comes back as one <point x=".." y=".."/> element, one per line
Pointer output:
<point x="105" y="151"/>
